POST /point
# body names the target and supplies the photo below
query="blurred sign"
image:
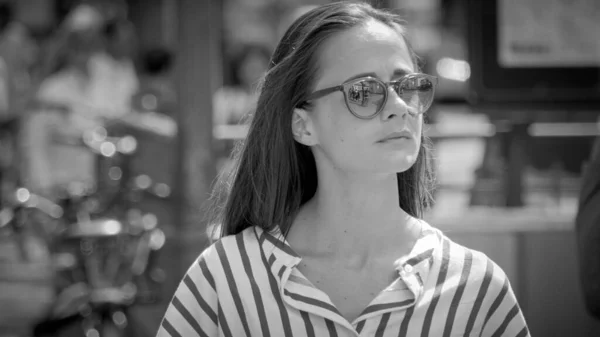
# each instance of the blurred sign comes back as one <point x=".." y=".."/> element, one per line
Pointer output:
<point x="535" y="52"/>
<point x="549" y="33"/>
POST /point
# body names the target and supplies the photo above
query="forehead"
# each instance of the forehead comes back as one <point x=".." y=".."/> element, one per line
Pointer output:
<point x="370" y="48"/>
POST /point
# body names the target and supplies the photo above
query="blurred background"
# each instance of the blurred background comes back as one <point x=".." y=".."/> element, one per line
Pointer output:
<point x="117" y="115"/>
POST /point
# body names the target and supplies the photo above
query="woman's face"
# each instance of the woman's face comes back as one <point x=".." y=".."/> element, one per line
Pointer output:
<point x="357" y="145"/>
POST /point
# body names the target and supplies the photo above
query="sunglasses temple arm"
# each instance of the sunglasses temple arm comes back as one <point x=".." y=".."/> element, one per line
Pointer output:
<point x="324" y="92"/>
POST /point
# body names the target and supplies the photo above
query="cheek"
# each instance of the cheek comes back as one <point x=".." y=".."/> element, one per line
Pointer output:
<point x="339" y="133"/>
<point x="336" y="125"/>
<point x="418" y="121"/>
<point x="418" y="142"/>
<point x="416" y="126"/>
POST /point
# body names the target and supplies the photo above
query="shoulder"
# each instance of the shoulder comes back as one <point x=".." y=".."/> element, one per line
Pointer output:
<point x="226" y="250"/>
<point x="469" y="264"/>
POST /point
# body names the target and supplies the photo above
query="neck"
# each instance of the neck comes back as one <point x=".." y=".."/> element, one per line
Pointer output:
<point x="352" y="215"/>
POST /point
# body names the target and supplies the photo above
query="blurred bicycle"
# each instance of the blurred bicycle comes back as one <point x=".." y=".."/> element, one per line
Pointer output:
<point x="104" y="250"/>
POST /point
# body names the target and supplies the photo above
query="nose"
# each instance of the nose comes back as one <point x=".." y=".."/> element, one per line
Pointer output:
<point x="395" y="106"/>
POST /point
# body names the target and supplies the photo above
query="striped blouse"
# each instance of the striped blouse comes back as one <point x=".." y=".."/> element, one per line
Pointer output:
<point x="248" y="285"/>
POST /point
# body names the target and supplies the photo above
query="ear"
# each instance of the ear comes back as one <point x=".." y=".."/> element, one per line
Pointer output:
<point x="302" y="128"/>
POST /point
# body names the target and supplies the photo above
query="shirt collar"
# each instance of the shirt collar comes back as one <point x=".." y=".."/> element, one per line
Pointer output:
<point x="276" y="249"/>
<point x="279" y="253"/>
<point x="421" y="257"/>
<point x="413" y="270"/>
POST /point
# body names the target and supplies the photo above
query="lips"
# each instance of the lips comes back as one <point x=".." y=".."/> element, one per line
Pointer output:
<point x="404" y="134"/>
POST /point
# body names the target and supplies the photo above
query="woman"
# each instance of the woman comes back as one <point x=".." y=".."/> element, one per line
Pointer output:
<point x="320" y="228"/>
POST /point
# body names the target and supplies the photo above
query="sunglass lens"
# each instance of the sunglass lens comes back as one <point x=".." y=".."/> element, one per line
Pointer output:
<point x="417" y="92"/>
<point x="365" y="97"/>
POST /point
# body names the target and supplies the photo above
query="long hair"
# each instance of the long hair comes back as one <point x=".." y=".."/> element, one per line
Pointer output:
<point x="273" y="175"/>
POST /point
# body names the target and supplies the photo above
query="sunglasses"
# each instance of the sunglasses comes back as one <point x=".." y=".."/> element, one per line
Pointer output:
<point x="366" y="96"/>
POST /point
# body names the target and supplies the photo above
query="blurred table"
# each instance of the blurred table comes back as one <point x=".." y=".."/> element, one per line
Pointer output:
<point x="453" y="213"/>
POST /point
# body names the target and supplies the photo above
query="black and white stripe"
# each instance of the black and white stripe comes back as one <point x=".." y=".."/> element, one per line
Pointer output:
<point x="247" y="285"/>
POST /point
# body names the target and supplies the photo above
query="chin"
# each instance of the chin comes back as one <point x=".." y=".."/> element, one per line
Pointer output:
<point x="403" y="168"/>
<point x="403" y="162"/>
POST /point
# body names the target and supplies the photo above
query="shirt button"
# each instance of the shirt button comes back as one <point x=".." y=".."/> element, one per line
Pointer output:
<point x="408" y="269"/>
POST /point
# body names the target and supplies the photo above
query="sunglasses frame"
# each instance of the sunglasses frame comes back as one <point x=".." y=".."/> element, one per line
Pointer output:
<point x="397" y="84"/>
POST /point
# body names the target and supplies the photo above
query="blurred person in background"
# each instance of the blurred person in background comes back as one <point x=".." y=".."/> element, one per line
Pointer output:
<point x="90" y="79"/>
<point x="233" y="102"/>
<point x="18" y="54"/>
<point x="321" y="230"/>
<point x="157" y="90"/>
<point x="587" y="224"/>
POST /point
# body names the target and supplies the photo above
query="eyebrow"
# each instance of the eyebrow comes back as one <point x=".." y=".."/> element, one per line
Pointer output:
<point x="397" y="73"/>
